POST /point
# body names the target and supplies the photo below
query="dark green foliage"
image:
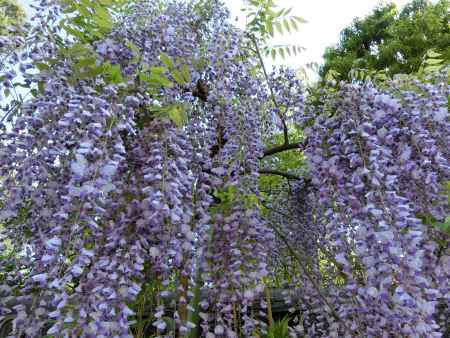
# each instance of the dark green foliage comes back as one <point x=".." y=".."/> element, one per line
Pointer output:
<point x="390" y="41"/>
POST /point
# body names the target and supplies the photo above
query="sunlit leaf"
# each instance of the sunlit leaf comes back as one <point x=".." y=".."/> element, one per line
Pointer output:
<point x="178" y="77"/>
<point x="269" y="27"/>
<point x="158" y="70"/>
<point x="433" y="61"/>
<point x="42" y="66"/>
<point x="279" y="27"/>
<point x="185" y="72"/>
<point x="165" y="59"/>
<point x="273" y="53"/>
<point x="294" y="24"/>
<point x="177" y="114"/>
<point x="432" y="54"/>
<point x="286" y="25"/>
<point x="281" y="52"/>
<point x="299" y="19"/>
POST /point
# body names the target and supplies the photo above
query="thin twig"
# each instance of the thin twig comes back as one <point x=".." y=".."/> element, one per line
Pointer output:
<point x="272" y="94"/>
<point x="286" y="145"/>
<point x="283" y="147"/>
<point x="307" y="274"/>
<point x="305" y="271"/>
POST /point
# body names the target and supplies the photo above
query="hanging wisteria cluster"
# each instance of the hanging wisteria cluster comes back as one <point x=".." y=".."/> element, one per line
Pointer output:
<point x="379" y="161"/>
<point x="116" y="195"/>
<point x="130" y="183"/>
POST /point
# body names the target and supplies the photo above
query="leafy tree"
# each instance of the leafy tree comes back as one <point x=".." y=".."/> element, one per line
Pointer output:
<point x="265" y="19"/>
<point x="12" y="16"/>
<point x="390" y="41"/>
<point x="12" y="27"/>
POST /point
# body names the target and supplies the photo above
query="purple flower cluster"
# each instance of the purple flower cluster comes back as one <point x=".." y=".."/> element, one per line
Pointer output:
<point x="379" y="161"/>
<point x="108" y="195"/>
<point x="289" y="96"/>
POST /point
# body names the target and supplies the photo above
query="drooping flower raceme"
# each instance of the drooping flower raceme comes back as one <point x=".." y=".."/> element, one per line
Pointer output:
<point x="380" y="168"/>
<point x="109" y="195"/>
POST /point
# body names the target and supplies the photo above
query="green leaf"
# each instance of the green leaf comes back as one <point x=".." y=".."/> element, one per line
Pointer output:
<point x="102" y="18"/>
<point x="165" y="59"/>
<point x="177" y="114"/>
<point x="433" y="68"/>
<point x="294" y="24"/>
<point x="433" y="61"/>
<point x="85" y="62"/>
<point x="83" y="10"/>
<point x="299" y="49"/>
<point x="77" y="50"/>
<point x="186" y="73"/>
<point x="41" y="86"/>
<point x="299" y="19"/>
<point x="158" y="70"/>
<point x="162" y="80"/>
<point x="281" y="52"/>
<point x="42" y="66"/>
<point x="178" y="76"/>
<point x="269" y="27"/>
<point x="432" y="54"/>
<point x="279" y="27"/>
<point x="114" y="74"/>
<point x="279" y="13"/>
<point x="445" y="226"/>
<point x="155" y="78"/>
<point x="80" y="20"/>
<point x="273" y="53"/>
<point x="381" y="76"/>
<point x="286" y="25"/>
<point x="69" y="9"/>
<point x="287" y="11"/>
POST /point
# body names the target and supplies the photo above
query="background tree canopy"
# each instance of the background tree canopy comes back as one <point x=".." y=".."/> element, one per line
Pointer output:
<point x="12" y="27"/>
<point x="390" y="40"/>
<point x="11" y="15"/>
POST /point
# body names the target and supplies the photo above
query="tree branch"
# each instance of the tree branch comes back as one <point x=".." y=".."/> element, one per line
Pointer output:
<point x="279" y="173"/>
<point x="283" y="147"/>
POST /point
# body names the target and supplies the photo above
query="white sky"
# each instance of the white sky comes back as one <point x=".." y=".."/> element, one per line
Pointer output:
<point x="326" y="19"/>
